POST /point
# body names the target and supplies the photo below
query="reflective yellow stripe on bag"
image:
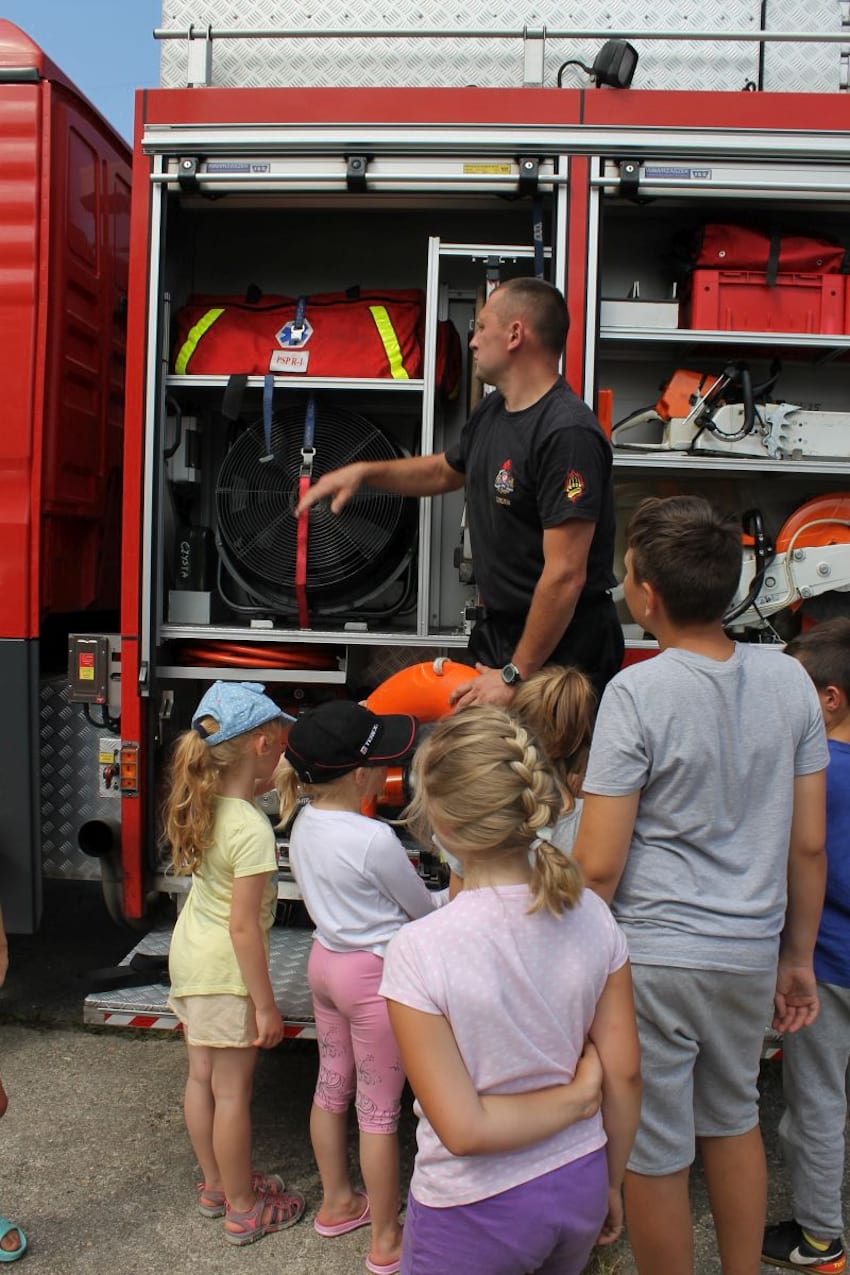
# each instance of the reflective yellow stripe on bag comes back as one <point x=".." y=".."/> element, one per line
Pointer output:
<point x="195" y="333"/>
<point x="389" y="340"/>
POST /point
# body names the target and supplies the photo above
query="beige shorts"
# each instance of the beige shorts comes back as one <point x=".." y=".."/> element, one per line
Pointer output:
<point x="218" y="1021"/>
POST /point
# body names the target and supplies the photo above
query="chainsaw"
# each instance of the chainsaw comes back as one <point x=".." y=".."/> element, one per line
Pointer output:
<point x="811" y="557"/>
<point x="727" y="414"/>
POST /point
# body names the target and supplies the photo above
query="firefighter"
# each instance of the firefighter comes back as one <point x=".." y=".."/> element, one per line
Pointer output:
<point x="537" y="471"/>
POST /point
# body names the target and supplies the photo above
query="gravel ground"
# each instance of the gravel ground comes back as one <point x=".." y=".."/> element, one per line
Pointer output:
<point x="96" y="1166"/>
<point x="94" y="1159"/>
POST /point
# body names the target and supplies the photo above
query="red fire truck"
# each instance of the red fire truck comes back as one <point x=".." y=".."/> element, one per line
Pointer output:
<point x="269" y="224"/>
<point x="64" y="254"/>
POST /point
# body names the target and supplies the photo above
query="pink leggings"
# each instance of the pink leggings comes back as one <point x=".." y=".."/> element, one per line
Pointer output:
<point x="357" y="1049"/>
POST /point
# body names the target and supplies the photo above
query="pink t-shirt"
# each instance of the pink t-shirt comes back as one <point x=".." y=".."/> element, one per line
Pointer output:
<point x="520" y="992"/>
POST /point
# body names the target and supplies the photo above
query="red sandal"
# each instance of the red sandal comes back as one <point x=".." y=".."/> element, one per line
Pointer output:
<point x="213" y="1203"/>
<point x="281" y="1210"/>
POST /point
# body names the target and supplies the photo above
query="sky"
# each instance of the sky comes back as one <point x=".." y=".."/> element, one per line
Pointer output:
<point x="105" y="46"/>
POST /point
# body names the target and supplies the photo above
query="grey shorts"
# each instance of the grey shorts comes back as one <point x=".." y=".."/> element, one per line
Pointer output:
<point x="701" y="1034"/>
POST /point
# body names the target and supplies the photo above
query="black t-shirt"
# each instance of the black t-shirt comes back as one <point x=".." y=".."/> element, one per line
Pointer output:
<point x="526" y="471"/>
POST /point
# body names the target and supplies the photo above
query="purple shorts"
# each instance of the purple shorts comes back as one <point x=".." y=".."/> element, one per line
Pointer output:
<point x="547" y="1225"/>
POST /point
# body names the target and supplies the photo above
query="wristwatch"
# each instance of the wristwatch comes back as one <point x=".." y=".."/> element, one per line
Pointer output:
<point x="511" y="675"/>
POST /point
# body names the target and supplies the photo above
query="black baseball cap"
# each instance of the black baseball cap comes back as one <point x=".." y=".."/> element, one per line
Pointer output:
<point x="333" y="739"/>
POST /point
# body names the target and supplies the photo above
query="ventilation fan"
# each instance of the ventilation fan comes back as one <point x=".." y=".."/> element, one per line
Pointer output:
<point x="351" y="556"/>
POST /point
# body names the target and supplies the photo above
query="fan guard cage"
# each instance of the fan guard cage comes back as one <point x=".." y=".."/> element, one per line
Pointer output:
<point x="350" y="555"/>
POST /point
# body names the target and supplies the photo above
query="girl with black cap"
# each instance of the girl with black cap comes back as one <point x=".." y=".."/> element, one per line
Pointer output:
<point x="359" y="887"/>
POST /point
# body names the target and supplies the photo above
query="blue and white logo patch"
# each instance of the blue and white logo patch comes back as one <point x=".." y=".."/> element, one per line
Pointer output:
<point x="292" y="338"/>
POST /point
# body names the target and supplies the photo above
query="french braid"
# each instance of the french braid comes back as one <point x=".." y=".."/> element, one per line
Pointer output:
<point x="485" y="780"/>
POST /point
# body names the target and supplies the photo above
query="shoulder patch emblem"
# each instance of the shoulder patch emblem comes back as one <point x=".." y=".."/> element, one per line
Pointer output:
<point x="573" y="485"/>
<point x="504" y="483"/>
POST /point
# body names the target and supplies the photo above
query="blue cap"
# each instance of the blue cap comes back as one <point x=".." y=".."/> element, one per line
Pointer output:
<point x="237" y="707"/>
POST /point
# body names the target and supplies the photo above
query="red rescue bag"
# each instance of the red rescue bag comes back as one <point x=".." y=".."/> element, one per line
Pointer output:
<point x="359" y="333"/>
<point x="728" y="247"/>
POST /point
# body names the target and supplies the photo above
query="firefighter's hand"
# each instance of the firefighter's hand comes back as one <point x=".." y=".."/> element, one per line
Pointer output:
<point x="486" y="688"/>
<point x="269" y="1028"/>
<point x="796" y="997"/>
<point x="338" y="486"/>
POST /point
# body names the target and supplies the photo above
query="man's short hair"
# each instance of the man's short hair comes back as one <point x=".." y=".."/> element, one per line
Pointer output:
<point x="690" y="553"/>
<point x="824" y="653"/>
<point x="543" y="307"/>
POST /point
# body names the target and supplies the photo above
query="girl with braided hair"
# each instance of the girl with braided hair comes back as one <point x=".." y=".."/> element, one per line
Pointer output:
<point x="558" y="706"/>
<point x="493" y="1000"/>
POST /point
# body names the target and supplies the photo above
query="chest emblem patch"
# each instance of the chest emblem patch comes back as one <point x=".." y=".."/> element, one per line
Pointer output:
<point x="573" y="485"/>
<point x="504" y="483"/>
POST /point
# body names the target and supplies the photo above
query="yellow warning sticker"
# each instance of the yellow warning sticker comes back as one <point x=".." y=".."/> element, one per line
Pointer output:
<point x="495" y="170"/>
<point x="107" y="758"/>
<point x="86" y="674"/>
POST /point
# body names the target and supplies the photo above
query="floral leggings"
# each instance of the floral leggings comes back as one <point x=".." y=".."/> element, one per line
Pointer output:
<point x="357" y="1049"/>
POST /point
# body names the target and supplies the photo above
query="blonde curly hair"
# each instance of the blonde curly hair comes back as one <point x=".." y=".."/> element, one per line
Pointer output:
<point x="195" y="776"/>
<point x="482" y="777"/>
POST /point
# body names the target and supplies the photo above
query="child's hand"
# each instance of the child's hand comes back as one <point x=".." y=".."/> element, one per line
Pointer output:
<point x="796" y="999"/>
<point x="4" y="1101"/>
<point x="613" y="1224"/>
<point x="269" y="1028"/>
<point x="587" y="1082"/>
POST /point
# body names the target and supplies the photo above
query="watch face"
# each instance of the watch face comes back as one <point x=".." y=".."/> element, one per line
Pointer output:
<point x="510" y="674"/>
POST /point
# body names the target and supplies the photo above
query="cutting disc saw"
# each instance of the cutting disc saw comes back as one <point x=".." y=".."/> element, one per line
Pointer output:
<point x="726" y="414"/>
<point x="811" y="558"/>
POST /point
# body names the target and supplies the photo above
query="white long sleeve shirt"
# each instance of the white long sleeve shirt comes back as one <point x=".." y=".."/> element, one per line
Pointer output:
<point x="357" y="882"/>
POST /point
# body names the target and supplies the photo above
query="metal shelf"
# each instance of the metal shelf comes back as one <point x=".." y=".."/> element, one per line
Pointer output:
<point x="174" y="382"/>
<point x="699" y="336"/>
<point x="208" y="672"/>
<point x="682" y="461"/>
<point x="340" y="637"/>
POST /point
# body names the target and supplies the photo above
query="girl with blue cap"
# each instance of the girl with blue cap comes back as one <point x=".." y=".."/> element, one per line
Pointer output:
<point x="220" y="986"/>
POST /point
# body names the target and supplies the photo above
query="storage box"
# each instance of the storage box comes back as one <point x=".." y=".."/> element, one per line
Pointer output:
<point x="631" y="313"/>
<point x="740" y="300"/>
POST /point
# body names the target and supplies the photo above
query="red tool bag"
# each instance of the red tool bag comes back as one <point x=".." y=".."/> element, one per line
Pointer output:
<point x="728" y="247"/>
<point x="361" y="334"/>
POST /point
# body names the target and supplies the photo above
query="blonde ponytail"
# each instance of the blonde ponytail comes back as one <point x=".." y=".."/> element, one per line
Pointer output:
<point x="195" y="776"/>
<point x="289" y="791"/>
<point x="558" y="706"/>
<point x="556" y="880"/>
<point x="482" y="778"/>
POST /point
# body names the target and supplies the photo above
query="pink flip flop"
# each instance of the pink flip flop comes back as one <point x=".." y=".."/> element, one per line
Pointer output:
<point x="342" y="1228"/>
<point x="389" y="1268"/>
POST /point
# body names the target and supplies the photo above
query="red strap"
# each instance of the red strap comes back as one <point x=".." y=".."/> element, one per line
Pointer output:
<point x="301" y="556"/>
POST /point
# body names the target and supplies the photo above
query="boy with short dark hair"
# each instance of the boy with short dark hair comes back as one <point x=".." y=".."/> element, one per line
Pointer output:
<point x="703" y="824"/>
<point x="815" y="1062"/>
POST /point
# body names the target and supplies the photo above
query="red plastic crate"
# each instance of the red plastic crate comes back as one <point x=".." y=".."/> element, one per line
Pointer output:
<point x="730" y="300"/>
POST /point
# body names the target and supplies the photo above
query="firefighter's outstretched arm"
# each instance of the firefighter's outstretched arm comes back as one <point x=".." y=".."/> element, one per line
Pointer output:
<point x="410" y="476"/>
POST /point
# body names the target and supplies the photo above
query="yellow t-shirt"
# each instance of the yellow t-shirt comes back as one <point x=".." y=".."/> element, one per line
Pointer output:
<point x="202" y="961"/>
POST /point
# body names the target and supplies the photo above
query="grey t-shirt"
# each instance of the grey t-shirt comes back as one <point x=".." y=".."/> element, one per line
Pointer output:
<point x="714" y="747"/>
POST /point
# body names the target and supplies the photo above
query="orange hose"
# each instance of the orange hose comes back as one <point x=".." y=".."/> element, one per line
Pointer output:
<point x="249" y="655"/>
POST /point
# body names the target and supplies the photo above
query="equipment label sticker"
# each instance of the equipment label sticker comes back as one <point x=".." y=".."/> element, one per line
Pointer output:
<point x="289" y="361"/>
<point x="689" y="174"/>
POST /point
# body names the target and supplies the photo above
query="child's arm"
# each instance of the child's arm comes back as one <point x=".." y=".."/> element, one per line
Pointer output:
<point x="614" y="1033"/>
<point x="467" y="1123"/>
<point x="604" y="838"/>
<point x="396" y="876"/>
<point x="4" y="965"/>
<point x="796" y="997"/>
<point x="247" y="938"/>
<point x="4" y="952"/>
